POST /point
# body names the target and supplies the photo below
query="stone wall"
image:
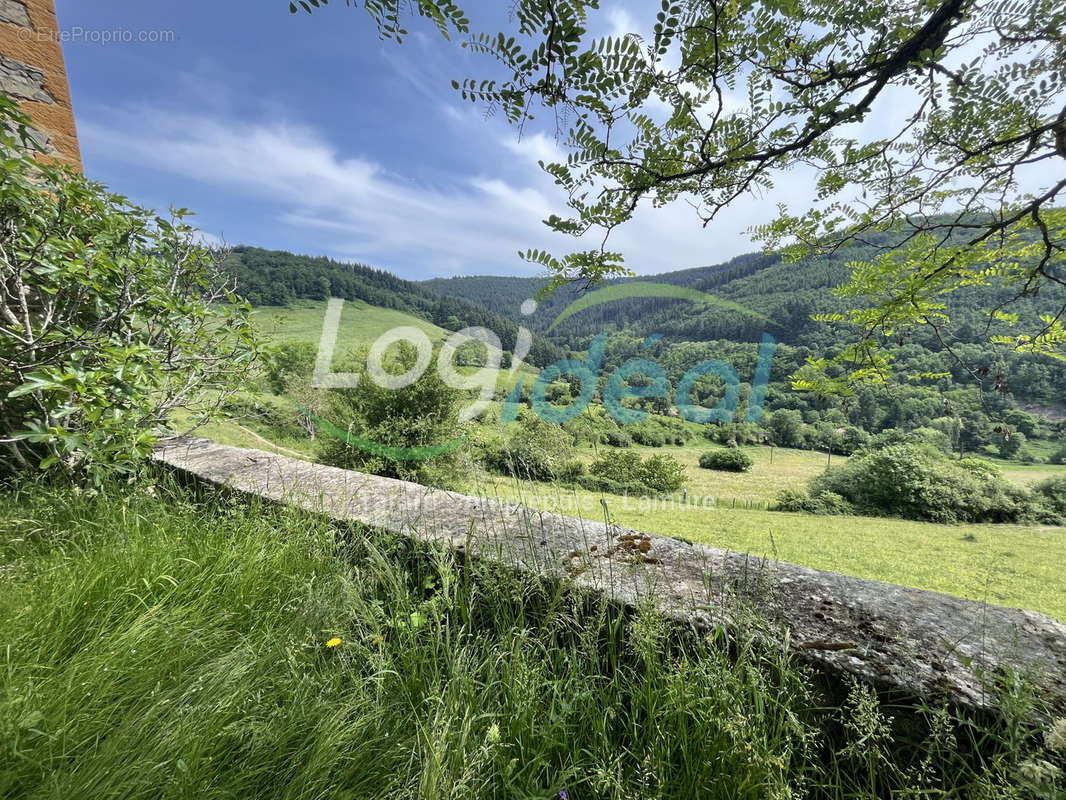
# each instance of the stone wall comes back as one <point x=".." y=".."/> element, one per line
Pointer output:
<point x="32" y="70"/>
<point x="918" y="643"/>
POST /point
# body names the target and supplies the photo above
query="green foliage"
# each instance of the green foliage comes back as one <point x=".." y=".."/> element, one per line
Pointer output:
<point x="1052" y="492"/>
<point x="287" y="361"/>
<point x="111" y="318"/>
<point x="786" y="428"/>
<point x="657" y="430"/>
<point x="824" y="502"/>
<point x="536" y="450"/>
<point x="422" y="414"/>
<point x="1012" y="444"/>
<point x="920" y="436"/>
<point x="918" y="482"/>
<point x="658" y="473"/>
<point x="730" y="459"/>
<point x="707" y="104"/>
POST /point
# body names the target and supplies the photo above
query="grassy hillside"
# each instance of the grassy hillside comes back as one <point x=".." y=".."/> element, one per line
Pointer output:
<point x="360" y="324"/>
<point x="277" y="278"/>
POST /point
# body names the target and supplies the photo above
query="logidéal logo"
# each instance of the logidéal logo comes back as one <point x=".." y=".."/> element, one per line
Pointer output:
<point x="586" y="371"/>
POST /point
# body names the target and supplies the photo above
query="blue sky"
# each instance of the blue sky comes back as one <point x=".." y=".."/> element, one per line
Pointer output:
<point x="307" y="133"/>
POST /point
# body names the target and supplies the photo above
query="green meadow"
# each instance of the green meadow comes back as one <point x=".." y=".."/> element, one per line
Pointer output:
<point x="1012" y="565"/>
<point x="360" y="324"/>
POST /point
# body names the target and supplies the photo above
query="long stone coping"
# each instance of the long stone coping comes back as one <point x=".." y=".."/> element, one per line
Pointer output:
<point x="900" y="639"/>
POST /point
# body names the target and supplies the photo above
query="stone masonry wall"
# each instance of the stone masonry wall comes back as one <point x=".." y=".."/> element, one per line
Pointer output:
<point x="919" y="643"/>
<point x="32" y="70"/>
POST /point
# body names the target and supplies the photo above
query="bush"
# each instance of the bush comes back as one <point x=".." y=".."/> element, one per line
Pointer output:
<point x="423" y="414"/>
<point x="823" y="503"/>
<point x="1052" y="495"/>
<point x="918" y="482"/>
<point x="572" y="471"/>
<point x="730" y="459"/>
<point x="659" y="473"/>
<point x="648" y="436"/>
<point x="536" y="450"/>
<point x="114" y="319"/>
<point x="658" y="431"/>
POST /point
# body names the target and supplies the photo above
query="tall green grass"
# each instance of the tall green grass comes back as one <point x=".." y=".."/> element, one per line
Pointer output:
<point x="166" y="642"/>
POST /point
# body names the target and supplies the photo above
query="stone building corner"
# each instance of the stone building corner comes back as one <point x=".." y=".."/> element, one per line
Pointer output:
<point x="33" y="72"/>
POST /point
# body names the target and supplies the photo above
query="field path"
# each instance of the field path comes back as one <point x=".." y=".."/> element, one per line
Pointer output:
<point x="262" y="440"/>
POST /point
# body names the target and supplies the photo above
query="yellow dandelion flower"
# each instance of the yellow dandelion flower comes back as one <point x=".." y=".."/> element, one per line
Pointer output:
<point x="333" y="642"/>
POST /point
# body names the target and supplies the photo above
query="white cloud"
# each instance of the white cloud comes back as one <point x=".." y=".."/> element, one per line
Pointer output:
<point x="358" y="209"/>
<point x="620" y="22"/>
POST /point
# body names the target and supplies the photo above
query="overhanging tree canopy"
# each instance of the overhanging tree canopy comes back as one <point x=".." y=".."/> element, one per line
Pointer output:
<point x="724" y="97"/>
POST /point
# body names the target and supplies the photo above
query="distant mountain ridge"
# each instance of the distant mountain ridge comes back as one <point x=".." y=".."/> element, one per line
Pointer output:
<point x="787" y="292"/>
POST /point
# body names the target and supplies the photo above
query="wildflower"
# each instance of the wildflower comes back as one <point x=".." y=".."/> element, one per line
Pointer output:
<point x="333" y="642"/>
<point x="1056" y="736"/>
<point x="563" y="795"/>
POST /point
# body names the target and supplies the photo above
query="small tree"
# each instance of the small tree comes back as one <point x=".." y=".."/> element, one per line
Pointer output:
<point x="786" y="428"/>
<point x="370" y="423"/>
<point x="111" y="319"/>
<point x="536" y="449"/>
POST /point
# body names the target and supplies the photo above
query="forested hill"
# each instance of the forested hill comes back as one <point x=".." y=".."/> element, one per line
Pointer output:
<point x="276" y="277"/>
<point x="505" y="295"/>
<point x="789" y="293"/>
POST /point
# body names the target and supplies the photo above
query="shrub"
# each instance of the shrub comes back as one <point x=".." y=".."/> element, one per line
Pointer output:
<point x="918" y="482"/>
<point x="792" y="500"/>
<point x="919" y="436"/>
<point x="536" y="450"/>
<point x="1058" y="457"/>
<point x="730" y="459"/>
<point x="823" y="503"/>
<point x="114" y="318"/>
<point x="572" y="471"/>
<point x="648" y="436"/>
<point x="1052" y="494"/>
<point x="734" y="433"/>
<point x="659" y="473"/>
<point x="423" y="414"/>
